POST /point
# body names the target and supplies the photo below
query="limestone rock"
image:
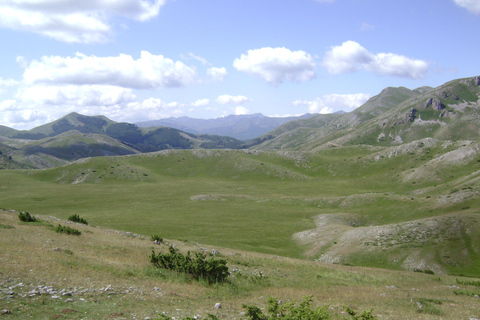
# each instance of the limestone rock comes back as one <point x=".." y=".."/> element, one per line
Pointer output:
<point x="410" y="115"/>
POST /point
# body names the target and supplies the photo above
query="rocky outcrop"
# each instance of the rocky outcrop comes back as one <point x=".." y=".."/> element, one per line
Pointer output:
<point x="435" y="103"/>
<point x="477" y="81"/>
<point x="410" y="115"/>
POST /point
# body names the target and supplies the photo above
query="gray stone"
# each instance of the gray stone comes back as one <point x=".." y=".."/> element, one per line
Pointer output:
<point x="410" y="115"/>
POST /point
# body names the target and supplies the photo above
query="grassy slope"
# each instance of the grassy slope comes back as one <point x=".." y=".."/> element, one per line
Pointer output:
<point x="108" y="276"/>
<point x="258" y="201"/>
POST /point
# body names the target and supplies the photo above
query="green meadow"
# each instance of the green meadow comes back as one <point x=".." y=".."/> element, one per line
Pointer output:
<point x="251" y="200"/>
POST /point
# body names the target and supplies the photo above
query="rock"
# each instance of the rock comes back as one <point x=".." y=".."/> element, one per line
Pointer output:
<point x="437" y="105"/>
<point x="214" y="252"/>
<point x="410" y="115"/>
<point x="69" y="300"/>
<point x="6" y="311"/>
<point x="428" y="103"/>
<point x="218" y="306"/>
<point x="477" y="81"/>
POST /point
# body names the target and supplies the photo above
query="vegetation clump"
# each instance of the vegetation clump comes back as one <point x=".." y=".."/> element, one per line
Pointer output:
<point x="26" y="217"/>
<point x="78" y="219"/>
<point x="288" y="311"/>
<point x="67" y="230"/>
<point x="199" y="267"/>
<point x="156" y="238"/>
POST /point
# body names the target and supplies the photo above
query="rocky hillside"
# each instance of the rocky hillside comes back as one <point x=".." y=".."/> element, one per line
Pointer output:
<point x="394" y="116"/>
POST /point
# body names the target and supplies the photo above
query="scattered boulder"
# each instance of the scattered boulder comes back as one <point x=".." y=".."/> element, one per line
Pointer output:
<point x="477" y="81"/>
<point x="218" y="305"/>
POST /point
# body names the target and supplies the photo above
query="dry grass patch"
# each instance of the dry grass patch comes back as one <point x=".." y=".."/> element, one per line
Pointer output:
<point x="105" y="272"/>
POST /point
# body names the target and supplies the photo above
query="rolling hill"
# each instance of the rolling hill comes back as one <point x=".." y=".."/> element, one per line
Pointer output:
<point x="76" y="136"/>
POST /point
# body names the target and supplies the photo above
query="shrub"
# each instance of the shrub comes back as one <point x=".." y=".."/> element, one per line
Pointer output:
<point x="156" y="238"/>
<point x="470" y="283"/>
<point x="288" y="311"/>
<point x="67" y="230"/>
<point x="26" y="217"/>
<point x="76" y="218"/>
<point x="199" y="267"/>
<point x="427" y="271"/>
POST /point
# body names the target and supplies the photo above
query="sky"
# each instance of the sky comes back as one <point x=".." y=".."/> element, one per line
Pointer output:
<point x="137" y="60"/>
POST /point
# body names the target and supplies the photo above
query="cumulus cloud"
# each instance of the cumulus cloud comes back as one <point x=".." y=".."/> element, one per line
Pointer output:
<point x="201" y="103"/>
<point x="224" y="99"/>
<point x="334" y="102"/>
<point x="471" y="5"/>
<point x="7" y="84"/>
<point x="73" y="21"/>
<point x="352" y="57"/>
<point x="239" y="110"/>
<point x="277" y="65"/>
<point x="149" y="71"/>
<point x="217" y="74"/>
<point x="79" y="96"/>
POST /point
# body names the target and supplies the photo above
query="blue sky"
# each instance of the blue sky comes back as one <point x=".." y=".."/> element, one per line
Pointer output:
<point x="134" y="60"/>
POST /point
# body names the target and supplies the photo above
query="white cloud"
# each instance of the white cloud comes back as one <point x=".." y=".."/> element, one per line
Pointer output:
<point x="471" y="5"/>
<point x="201" y="103"/>
<point x="149" y="71"/>
<point x="217" y="74"/>
<point x="73" y="21"/>
<point x="239" y="110"/>
<point x="334" y="102"/>
<point x="224" y="99"/>
<point x="276" y="65"/>
<point x="79" y="96"/>
<point x="352" y="57"/>
<point x="6" y="84"/>
<point x="197" y="58"/>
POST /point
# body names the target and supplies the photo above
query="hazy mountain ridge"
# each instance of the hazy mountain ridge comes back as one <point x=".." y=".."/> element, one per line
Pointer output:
<point x="242" y="127"/>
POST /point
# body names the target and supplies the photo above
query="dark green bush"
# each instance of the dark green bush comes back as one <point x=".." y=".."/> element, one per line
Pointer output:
<point x="199" y="267"/>
<point x="76" y="218"/>
<point x="157" y="238"/>
<point x="26" y="217"/>
<point x="67" y="230"/>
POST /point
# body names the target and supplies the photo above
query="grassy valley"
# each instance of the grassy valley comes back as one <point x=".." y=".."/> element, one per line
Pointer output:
<point x="377" y="208"/>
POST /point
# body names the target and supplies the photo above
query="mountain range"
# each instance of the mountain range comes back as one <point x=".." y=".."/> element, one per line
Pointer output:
<point x="394" y="116"/>
<point x="242" y="127"/>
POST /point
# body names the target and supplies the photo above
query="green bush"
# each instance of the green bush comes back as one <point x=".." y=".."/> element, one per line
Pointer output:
<point x="76" y="218"/>
<point x="157" y="238"/>
<point x="26" y="217"/>
<point x="288" y="311"/>
<point x="67" y="230"/>
<point x="199" y="267"/>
